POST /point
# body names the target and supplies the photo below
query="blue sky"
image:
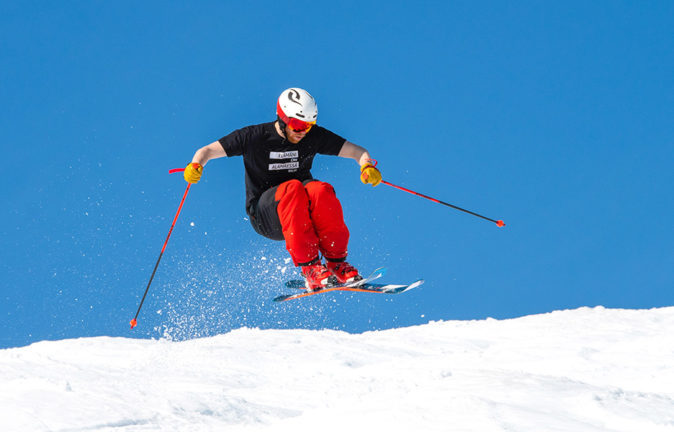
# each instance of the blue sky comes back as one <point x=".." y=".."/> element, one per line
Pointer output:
<point x="556" y="118"/>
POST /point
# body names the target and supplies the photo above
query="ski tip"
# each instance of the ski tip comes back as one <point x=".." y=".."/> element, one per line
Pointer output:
<point x="404" y="288"/>
<point x="133" y="323"/>
<point x="416" y="284"/>
<point x="381" y="271"/>
<point x="500" y="223"/>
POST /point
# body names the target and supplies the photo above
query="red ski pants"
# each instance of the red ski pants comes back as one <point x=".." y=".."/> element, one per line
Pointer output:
<point x="312" y="220"/>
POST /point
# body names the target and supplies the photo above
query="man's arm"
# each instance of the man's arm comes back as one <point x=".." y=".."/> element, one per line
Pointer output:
<point x="212" y="151"/>
<point x="355" y="152"/>
<point x="368" y="173"/>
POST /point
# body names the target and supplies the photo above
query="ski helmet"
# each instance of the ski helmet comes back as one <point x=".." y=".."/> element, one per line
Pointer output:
<point x="297" y="109"/>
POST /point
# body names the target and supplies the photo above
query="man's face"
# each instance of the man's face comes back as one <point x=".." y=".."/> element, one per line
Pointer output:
<point x="293" y="136"/>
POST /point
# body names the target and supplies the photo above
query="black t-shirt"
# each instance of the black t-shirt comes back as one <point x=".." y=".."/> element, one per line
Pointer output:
<point x="270" y="159"/>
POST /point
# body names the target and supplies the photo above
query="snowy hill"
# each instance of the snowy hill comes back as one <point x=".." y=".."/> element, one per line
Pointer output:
<point x="580" y="370"/>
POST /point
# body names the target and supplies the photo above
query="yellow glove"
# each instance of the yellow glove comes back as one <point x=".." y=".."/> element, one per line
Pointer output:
<point x="369" y="174"/>
<point x="193" y="172"/>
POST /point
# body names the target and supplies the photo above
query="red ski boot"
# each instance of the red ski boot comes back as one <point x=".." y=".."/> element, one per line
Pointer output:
<point x="317" y="276"/>
<point x="344" y="272"/>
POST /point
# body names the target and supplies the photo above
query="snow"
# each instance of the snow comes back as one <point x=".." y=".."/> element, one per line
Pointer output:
<point x="589" y="369"/>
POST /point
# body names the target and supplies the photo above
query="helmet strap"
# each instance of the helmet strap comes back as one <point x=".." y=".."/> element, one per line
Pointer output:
<point x="282" y="125"/>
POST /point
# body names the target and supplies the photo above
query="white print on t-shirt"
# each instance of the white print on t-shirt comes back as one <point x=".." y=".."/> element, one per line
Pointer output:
<point x="284" y="166"/>
<point x="294" y="154"/>
<point x="291" y="166"/>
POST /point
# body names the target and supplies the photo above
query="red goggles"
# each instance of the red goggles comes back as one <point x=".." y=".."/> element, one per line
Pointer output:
<point x="299" y="125"/>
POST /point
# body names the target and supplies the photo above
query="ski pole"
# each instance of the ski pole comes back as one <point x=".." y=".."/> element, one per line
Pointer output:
<point x="133" y="321"/>
<point x="500" y="223"/>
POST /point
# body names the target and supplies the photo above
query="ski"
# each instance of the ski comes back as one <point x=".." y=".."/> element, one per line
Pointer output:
<point x="299" y="283"/>
<point x="367" y="288"/>
<point x="363" y="285"/>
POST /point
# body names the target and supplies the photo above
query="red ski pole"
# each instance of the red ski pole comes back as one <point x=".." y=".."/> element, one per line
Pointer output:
<point x="499" y="223"/>
<point x="133" y="321"/>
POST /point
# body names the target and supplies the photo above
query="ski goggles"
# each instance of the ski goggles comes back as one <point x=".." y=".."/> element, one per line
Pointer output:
<point x="300" y="125"/>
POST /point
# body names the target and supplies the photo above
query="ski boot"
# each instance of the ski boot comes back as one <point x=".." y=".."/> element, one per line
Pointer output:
<point x="344" y="272"/>
<point x="317" y="276"/>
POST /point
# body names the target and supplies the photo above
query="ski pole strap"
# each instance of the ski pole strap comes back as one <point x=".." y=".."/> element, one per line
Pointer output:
<point x="372" y="162"/>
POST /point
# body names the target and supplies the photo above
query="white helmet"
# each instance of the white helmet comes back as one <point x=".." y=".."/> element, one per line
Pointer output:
<point x="297" y="108"/>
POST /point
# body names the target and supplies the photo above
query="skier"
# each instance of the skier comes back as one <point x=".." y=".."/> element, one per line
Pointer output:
<point x="283" y="200"/>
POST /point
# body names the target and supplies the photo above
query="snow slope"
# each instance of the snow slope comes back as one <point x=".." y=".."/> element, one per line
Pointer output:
<point x="580" y="370"/>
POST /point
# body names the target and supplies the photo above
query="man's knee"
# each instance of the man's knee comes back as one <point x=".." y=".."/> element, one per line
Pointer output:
<point x="319" y="188"/>
<point x="291" y="188"/>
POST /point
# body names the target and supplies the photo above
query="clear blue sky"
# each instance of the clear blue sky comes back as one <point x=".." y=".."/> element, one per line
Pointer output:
<point x="556" y="118"/>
